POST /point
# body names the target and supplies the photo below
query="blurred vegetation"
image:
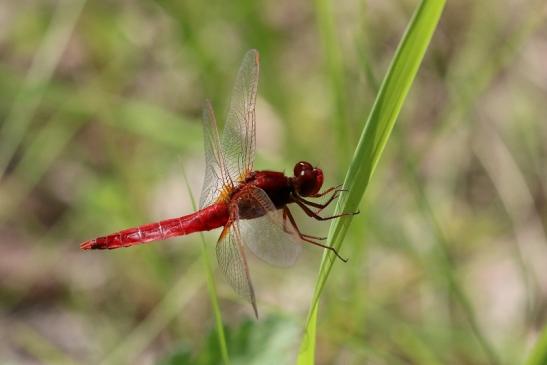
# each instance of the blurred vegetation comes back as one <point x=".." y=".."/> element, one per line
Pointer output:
<point x="99" y="117"/>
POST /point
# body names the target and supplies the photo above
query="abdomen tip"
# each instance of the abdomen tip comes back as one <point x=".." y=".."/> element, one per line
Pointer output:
<point x="88" y="245"/>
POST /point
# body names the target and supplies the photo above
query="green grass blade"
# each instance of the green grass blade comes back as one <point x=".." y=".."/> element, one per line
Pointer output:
<point x="538" y="355"/>
<point x="376" y="132"/>
<point x="211" y="286"/>
<point x="41" y="71"/>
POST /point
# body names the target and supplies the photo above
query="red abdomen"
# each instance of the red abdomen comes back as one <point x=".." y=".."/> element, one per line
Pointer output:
<point x="211" y="217"/>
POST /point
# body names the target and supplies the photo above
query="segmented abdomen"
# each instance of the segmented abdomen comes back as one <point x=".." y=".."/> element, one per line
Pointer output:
<point x="211" y="217"/>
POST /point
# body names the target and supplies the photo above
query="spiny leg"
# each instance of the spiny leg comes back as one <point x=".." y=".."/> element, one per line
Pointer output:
<point x="318" y="195"/>
<point x="320" y="206"/>
<point x="287" y="213"/>
<point x="323" y="193"/>
<point x="312" y="214"/>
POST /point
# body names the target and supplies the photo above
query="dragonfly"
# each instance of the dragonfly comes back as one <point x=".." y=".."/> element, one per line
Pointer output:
<point x="250" y="206"/>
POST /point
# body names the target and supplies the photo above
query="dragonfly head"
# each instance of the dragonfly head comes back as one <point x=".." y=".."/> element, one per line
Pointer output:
<point x="307" y="179"/>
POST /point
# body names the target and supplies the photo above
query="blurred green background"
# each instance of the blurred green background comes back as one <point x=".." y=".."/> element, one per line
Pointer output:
<point x="99" y="119"/>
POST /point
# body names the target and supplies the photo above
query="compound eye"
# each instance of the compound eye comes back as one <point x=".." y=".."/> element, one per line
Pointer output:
<point x="302" y="168"/>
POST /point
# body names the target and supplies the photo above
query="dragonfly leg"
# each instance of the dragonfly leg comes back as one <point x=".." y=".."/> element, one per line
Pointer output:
<point x="310" y="213"/>
<point x="322" y="206"/>
<point x="307" y="238"/>
<point x="287" y="215"/>
<point x="323" y="193"/>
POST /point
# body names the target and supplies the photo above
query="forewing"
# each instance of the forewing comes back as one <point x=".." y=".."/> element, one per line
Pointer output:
<point x="267" y="235"/>
<point x="216" y="174"/>
<point x="238" y="139"/>
<point x="233" y="263"/>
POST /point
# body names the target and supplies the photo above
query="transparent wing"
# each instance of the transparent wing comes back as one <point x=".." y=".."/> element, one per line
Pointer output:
<point x="263" y="230"/>
<point x="216" y="174"/>
<point x="238" y="138"/>
<point x="233" y="263"/>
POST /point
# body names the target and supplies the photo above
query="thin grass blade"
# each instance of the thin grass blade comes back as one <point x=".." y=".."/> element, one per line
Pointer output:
<point x="43" y="66"/>
<point x="376" y="132"/>
<point x="211" y="287"/>
<point x="538" y="355"/>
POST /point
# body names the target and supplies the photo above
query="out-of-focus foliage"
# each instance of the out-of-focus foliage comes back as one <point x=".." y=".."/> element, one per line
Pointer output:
<point x="99" y="110"/>
<point x="269" y="342"/>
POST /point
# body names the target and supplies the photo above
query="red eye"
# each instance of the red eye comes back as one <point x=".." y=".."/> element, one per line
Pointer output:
<point x="307" y="180"/>
<point x="301" y="168"/>
<point x="318" y="180"/>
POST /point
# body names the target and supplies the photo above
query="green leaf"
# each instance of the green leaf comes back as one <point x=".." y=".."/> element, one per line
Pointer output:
<point x="375" y="134"/>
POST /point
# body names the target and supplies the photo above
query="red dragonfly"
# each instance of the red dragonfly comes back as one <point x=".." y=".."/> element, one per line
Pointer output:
<point x="251" y="206"/>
